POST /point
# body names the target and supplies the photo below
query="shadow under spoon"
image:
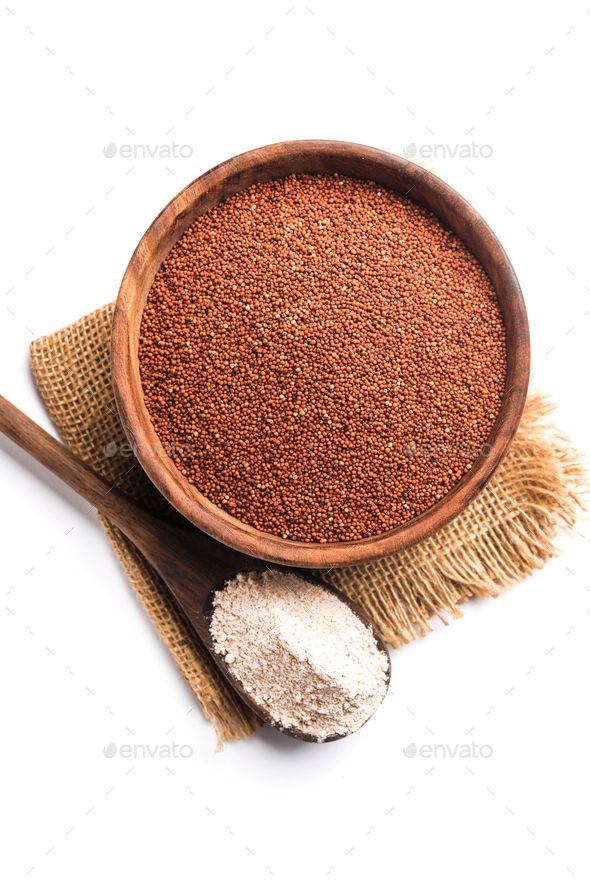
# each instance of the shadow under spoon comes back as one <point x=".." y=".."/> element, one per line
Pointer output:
<point x="192" y="565"/>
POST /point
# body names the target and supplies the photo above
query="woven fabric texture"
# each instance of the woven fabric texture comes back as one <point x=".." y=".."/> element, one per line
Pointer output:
<point x="504" y="535"/>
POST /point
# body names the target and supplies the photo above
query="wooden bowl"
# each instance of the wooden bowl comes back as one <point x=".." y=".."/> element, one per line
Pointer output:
<point x="276" y="161"/>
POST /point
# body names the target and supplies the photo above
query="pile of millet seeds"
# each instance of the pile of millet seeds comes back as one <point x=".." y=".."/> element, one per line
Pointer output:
<point x="322" y="358"/>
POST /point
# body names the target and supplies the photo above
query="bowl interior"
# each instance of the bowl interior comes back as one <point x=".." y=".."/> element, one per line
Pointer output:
<point x="206" y="192"/>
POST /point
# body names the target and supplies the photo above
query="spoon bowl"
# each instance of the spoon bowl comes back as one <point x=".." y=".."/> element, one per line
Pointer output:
<point x="260" y="711"/>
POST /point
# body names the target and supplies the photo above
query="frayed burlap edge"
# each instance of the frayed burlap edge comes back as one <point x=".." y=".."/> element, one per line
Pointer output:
<point x="220" y="705"/>
<point x="503" y="536"/>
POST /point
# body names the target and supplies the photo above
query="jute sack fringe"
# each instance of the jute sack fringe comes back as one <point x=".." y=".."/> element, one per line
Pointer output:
<point x="504" y="535"/>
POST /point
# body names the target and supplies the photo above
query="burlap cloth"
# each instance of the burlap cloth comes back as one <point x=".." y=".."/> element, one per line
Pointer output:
<point x="506" y="533"/>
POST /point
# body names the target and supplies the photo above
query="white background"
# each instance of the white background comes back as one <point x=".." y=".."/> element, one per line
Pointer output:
<point x="81" y="665"/>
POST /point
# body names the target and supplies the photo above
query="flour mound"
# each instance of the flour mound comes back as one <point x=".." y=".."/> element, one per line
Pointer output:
<point x="300" y="652"/>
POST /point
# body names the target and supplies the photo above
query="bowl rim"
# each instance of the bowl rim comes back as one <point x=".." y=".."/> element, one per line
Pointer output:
<point x="170" y="224"/>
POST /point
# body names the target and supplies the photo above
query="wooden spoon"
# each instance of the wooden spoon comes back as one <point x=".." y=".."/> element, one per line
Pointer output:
<point x="191" y="564"/>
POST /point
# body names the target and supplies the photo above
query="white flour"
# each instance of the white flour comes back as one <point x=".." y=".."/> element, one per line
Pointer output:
<point x="300" y="652"/>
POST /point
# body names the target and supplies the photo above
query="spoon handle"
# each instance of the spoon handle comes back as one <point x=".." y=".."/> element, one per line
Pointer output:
<point x="190" y="562"/>
<point x="125" y="514"/>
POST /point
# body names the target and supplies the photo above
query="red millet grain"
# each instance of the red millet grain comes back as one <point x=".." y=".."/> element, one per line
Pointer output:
<point x="322" y="358"/>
